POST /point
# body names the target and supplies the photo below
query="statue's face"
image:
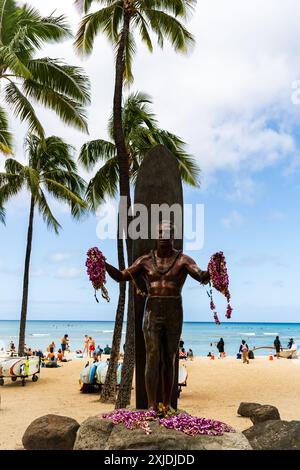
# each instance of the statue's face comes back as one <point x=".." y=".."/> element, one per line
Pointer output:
<point x="165" y="235"/>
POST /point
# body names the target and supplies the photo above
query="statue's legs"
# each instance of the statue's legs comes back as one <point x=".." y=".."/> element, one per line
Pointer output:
<point x="162" y="329"/>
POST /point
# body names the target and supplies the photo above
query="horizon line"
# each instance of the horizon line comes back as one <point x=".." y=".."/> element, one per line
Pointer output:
<point x="187" y="321"/>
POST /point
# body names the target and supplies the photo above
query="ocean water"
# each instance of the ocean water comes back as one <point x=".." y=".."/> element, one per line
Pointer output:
<point x="197" y="336"/>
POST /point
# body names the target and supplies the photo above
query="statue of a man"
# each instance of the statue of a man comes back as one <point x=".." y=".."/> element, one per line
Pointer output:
<point x="164" y="271"/>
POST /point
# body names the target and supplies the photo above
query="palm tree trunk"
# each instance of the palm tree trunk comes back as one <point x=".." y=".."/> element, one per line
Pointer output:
<point x="124" y="395"/>
<point x="109" y="391"/>
<point x="26" y="281"/>
<point x="123" y="163"/>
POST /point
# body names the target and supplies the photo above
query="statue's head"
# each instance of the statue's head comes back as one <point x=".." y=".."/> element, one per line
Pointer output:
<point x="165" y="233"/>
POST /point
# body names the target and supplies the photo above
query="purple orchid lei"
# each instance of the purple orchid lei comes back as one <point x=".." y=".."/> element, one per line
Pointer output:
<point x="96" y="271"/>
<point x="220" y="281"/>
<point x="182" y="422"/>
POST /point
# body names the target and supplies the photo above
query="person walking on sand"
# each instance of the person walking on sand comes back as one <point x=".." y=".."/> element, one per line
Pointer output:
<point x="220" y="346"/>
<point x="64" y="343"/>
<point x="86" y="345"/>
<point x="244" y="349"/>
<point x="91" y="346"/>
<point x="278" y="347"/>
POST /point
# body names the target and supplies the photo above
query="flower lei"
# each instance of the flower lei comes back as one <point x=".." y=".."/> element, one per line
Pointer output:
<point x="96" y="271"/>
<point x="220" y="281"/>
<point x="183" y="422"/>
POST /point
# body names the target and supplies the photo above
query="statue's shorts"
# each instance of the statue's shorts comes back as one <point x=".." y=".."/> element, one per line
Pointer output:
<point x="163" y="317"/>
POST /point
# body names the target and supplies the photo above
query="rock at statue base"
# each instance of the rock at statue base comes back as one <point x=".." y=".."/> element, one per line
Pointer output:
<point x="258" y="413"/>
<point x="274" y="435"/>
<point x="98" y="433"/>
<point x="247" y="409"/>
<point x="51" y="432"/>
<point x="264" y="413"/>
<point x="93" y="434"/>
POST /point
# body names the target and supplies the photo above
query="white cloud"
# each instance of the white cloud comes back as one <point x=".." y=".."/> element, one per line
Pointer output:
<point x="230" y="99"/>
<point x="276" y="215"/>
<point x="69" y="273"/>
<point x="60" y="256"/>
<point x="232" y="220"/>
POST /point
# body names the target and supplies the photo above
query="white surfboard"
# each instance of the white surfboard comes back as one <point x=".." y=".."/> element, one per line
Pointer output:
<point x="182" y="374"/>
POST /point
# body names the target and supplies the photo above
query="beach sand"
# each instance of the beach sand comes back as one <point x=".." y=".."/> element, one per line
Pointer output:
<point x="215" y="390"/>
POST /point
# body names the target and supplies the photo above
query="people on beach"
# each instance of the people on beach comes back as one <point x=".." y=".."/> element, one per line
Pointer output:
<point x="290" y="343"/>
<point x="86" y="345"/>
<point x="29" y="352"/>
<point x="64" y="343"/>
<point x="51" y="345"/>
<point x="190" y="355"/>
<point x="91" y="346"/>
<point x="97" y="354"/>
<point x="220" y="346"/>
<point x="244" y="349"/>
<point x="51" y="355"/>
<point x="12" y="347"/>
<point x="107" y="349"/>
<point x="277" y="346"/>
<point x="182" y="354"/>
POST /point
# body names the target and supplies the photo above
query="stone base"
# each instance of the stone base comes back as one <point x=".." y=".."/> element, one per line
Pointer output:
<point x="100" y="434"/>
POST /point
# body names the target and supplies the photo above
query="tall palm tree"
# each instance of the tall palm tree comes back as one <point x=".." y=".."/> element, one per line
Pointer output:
<point x="141" y="134"/>
<point x="118" y="19"/>
<point x="24" y="78"/>
<point x="50" y="170"/>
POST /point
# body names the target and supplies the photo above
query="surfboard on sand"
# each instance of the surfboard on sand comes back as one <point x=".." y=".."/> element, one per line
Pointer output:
<point x="158" y="182"/>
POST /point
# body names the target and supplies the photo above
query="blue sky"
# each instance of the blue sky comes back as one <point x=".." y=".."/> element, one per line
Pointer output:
<point x="231" y="101"/>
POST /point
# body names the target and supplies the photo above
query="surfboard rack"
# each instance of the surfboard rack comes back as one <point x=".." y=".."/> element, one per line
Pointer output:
<point x="22" y="368"/>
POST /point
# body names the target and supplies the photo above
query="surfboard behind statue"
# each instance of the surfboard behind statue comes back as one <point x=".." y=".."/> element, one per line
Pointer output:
<point x="158" y="182"/>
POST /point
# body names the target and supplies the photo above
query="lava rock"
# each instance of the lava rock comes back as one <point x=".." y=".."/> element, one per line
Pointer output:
<point x="93" y="434"/>
<point x="274" y="435"/>
<point x="247" y="409"/>
<point x="51" y="432"/>
<point x="264" y="413"/>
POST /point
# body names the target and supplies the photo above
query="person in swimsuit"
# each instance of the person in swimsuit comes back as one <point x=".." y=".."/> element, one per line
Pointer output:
<point x="165" y="271"/>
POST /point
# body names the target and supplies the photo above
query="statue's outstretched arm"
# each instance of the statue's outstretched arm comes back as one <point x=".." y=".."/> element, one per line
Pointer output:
<point x="132" y="272"/>
<point x="195" y="272"/>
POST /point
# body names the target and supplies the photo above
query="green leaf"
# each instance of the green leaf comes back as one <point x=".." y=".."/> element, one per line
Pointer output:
<point x="69" y="110"/>
<point x="13" y="63"/>
<point x="22" y="108"/>
<point x="95" y="150"/>
<point x="65" y="79"/>
<point x="5" y="134"/>
<point x="104" y="183"/>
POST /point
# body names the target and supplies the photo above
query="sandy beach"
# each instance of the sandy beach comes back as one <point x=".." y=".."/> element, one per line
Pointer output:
<point x="215" y="389"/>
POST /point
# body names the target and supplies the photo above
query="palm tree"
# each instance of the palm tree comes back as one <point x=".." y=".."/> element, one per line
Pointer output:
<point x="25" y="78"/>
<point x="141" y="134"/>
<point x="118" y="19"/>
<point x="50" y="169"/>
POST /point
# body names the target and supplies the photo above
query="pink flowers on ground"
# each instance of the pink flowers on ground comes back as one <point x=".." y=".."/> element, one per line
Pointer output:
<point x="182" y="422"/>
<point x="96" y="271"/>
<point x="220" y="281"/>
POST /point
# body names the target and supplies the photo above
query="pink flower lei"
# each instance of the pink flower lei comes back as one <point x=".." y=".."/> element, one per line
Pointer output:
<point x="182" y="422"/>
<point x="96" y="271"/>
<point x="220" y="281"/>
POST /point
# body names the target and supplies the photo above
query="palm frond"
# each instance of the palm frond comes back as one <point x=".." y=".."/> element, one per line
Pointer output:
<point x="2" y="215"/>
<point x="65" y="79"/>
<point x="104" y="183"/>
<point x="130" y="50"/>
<point x="69" y="110"/>
<point x="95" y="150"/>
<point x="13" y="62"/>
<point x="91" y="25"/>
<point x="168" y="27"/>
<point x="22" y="108"/>
<point x="5" y="135"/>
<point x="144" y="30"/>
<point x="46" y="212"/>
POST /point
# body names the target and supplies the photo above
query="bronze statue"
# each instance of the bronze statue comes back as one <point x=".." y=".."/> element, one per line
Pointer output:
<point x="165" y="271"/>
